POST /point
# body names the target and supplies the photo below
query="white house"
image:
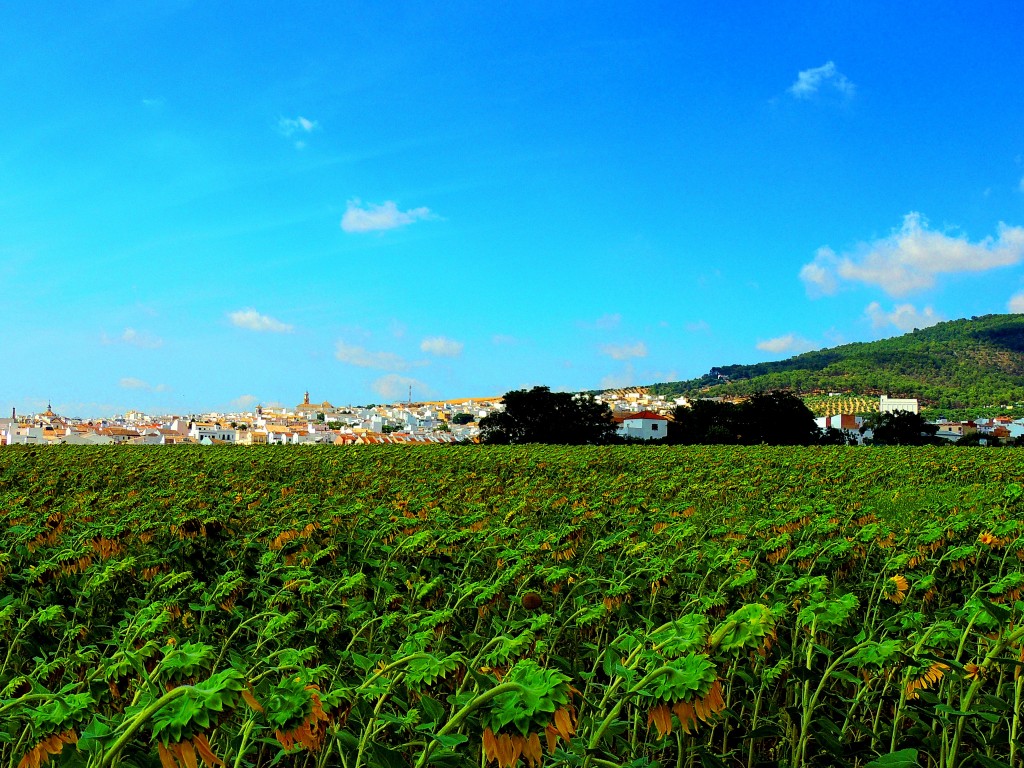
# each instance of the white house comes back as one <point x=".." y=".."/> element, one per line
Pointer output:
<point x="893" y="404"/>
<point x="29" y="435"/>
<point x="200" y="430"/>
<point x="847" y="422"/>
<point x="645" y="425"/>
<point x="87" y="438"/>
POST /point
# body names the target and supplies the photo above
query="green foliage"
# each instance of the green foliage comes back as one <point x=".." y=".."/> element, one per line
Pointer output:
<point x="900" y="428"/>
<point x="198" y="709"/>
<point x="771" y="418"/>
<point x="530" y="707"/>
<point x="683" y="679"/>
<point x="542" y="416"/>
<point x="386" y="606"/>
<point x="957" y="368"/>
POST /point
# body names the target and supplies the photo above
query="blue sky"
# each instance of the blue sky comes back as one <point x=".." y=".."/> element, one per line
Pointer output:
<point x="208" y="205"/>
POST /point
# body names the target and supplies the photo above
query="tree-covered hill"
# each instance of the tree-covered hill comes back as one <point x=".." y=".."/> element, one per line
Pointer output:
<point x="956" y="365"/>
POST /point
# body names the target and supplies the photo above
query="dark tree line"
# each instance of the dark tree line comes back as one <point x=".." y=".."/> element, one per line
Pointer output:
<point x="773" y="418"/>
<point x="539" y="415"/>
<point x="901" y="428"/>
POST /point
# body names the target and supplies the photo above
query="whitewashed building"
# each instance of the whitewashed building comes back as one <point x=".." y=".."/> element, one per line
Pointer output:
<point x="892" y="404"/>
<point x="645" y="425"/>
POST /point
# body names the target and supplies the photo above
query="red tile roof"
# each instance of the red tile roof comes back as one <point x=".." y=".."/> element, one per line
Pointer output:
<point x="649" y="415"/>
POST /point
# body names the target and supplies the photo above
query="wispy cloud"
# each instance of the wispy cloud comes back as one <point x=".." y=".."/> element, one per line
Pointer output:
<point x="441" y="346"/>
<point x="504" y="339"/>
<point x="670" y="375"/>
<point x="906" y="317"/>
<point x="141" y="339"/>
<point x="700" y="326"/>
<point x="809" y="82"/>
<point x="788" y="344"/>
<point x="244" y="402"/>
<point x="1016" y="304"/>
<point x="623" y="378"/>
<point x="134" y="338"/>
<point x="605" y="322"/>
<point x="252" y="320"/>
<point x="154" y="104"/>
<point x="395" y="387"/>
<point x="377" y="218"/>
<point x="352" y="354"/>
<point x="291" y="125"/>
<point x="910" y="259"/>
<point x="300" y="126"/>
<point x="624" y="351"/>
<point x="130" y="382"/>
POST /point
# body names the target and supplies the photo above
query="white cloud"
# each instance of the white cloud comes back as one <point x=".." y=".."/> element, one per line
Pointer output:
<point x="789" y="344"/>
<point x="441" y="346"/>
<point x="910" y="258"/>
<point x="670" y="375"/>
<point x="395" y="387"/>
<point x="289" y="126"/>
<point x="810" y="81"/>
<point x="352" y="354"/>
<point x="244" y="402"/>
<point x="503" y="339"/>
<point x="604" y="323"/>
<point x="625" y="351"/>
<point x="818" y="276"/>
<point x="130" y="336"/>
<point x="142" y="340"/>
<point x="130" y="382"/>
<point x="154" y="104"/>
<point x="376" y="218"/>
<point x="1016" y="303"/>
<point x="906" y="317"/>
<point x="834" y="337"/>
<point x="297" y="126"/>
<point x="624" y="378"/>
<point x="252" y="320"/>
<point x="700" y="326"/>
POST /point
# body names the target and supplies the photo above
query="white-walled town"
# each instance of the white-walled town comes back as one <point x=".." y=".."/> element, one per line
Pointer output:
<point x="638" y="413"/>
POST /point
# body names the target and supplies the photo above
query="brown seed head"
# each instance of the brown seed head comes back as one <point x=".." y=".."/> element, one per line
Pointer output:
<point x="532" y="601"/>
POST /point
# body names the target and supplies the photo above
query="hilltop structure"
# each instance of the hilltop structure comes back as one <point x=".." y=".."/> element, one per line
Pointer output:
<point x="306" y="408"/>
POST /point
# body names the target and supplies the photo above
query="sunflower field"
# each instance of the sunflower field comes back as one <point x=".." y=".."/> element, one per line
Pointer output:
<point x="511" y="606"/>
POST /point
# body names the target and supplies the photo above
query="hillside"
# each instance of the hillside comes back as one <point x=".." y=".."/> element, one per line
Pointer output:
<point x="956" y="365"/>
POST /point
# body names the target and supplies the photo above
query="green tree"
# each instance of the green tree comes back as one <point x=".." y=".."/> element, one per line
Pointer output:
<point x="542" y="416"/>
<point x="777" y="418"/>
<point x="705" y="422"/>
<point x="976" y="438"/>
<point x="833" y="436"/>
<point x="900" y="428"/>
<point x="774" y="418"/>
<point x="462" y="418"/>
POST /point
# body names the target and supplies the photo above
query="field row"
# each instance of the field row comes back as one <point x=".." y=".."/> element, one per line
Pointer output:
<point x="566" y="606"/>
